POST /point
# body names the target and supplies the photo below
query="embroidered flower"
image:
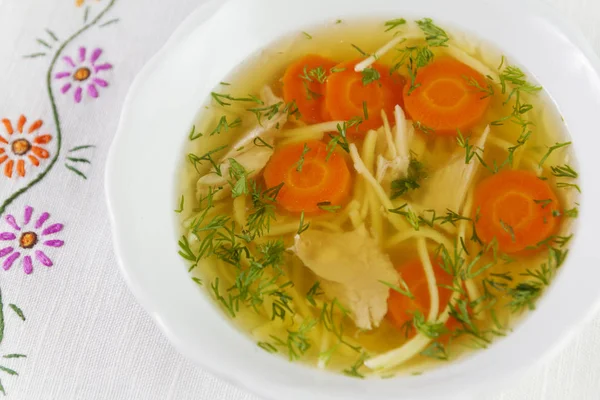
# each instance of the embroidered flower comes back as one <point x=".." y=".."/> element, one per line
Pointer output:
<point x="17" y="147"/>
<point x="83" y="75"/>
<point x="79" y="3"/>
<point x="28" y="240"/>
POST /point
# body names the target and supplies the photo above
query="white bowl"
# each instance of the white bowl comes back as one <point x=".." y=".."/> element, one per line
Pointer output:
<point x="163" y="101"/>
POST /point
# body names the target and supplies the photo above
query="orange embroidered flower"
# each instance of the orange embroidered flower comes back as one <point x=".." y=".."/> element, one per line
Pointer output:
<point x="21" y="144"/>
<point x="79" y="3"/>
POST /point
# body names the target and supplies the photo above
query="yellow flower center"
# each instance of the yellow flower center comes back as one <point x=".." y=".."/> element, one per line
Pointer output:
<point x="82" y="74"/>
<point x="28" y="240"/>
<point x="21" y="147"/>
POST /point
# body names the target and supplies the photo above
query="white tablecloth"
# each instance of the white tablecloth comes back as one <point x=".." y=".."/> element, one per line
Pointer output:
<point x="71" y="329"/>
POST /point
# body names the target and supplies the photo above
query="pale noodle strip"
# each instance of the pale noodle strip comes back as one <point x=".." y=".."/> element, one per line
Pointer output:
<point x="361" y="66"/>
<point x="343" y="216"/>
<point x="423" y="232"/>
<point x="472" y="62"/>
<point x="239" y="210"/>
<point x="391" y="150"/>
<point x="311" y="129"/>
<point x="434" y="295"/>
<point x="408" y="350"/>
<point x="362" y="169"/>
<point x="368" y="156"/>
<point x="376" y="217"/>
<point x="355" y="218"/>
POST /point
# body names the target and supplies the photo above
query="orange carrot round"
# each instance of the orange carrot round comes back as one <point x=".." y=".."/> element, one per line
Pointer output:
<point x="304" y="83"/>
<point x="352" y="94"/>
<point x="401" y="308"/>
<point x="309" y="180"/>
<point x="443" y="99"/>
<point x="517" y="208"/>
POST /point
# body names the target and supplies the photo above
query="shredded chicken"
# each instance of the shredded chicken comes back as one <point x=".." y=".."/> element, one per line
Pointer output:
<point x="396" y="162"/>
<point x="352" y="268"/>
<point x="252" y="157"/>
<point x="453" y="181"/>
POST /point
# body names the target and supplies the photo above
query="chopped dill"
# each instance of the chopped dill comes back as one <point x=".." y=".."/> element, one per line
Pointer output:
<point x="365" y="111"/>
<point x="409" y="214"/>
<point x="268" y="347"/>
<point x="259" y="142"/>
<point x="327" y="206"/>
<point x="225" y="83"/>
<point x="317" y="74"/>
<point x="394" y="23"/>
<point x="404" y="290"/>
<point x="370" y="75"/>
<point x="300" y="162"/>
<point x="436" y="350"/>
<point x="222" y="99"/>
<point x="268" y="111"/>
<point x="224" y="125"/>
<point x="314" y="291"/>
<point x="524" y="295"/>
<point x="297" y="342"/>
<point x="432" y="330"/>
<point x="487" y="91"/>
<point x="303" y="227"/>
<point x="180" y="210"/>
<point x="193" y="135"/>
<point x="551" y="150"/>
<point x="353" y="371"/>
<point x="340" y="140"/>
<point x="415" y="175"/>
<point x="564" y="185"/>
<point x="198" y="281"/>
<point x="434" y="35"/>
<point x="418" y="125"/>
<point x="508" y="229"/>
<point x="307" y="35"/>
<point x="197" y="160"/>
<point x="564" y="171"/>
<point x="544" y="203"/>
<point x="572" y="213"/>
<point x="239" y="176"/>
<point x="360" y="50"/>
<point x="335" y="70"/>
<point x="228" y="303"/>
<point x="259" y="220"/>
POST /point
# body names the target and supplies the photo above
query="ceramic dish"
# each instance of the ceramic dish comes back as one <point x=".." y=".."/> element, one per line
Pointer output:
<point x="163" y="102"/>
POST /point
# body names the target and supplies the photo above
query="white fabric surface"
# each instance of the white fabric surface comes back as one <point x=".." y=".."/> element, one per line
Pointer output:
<point x="85" y="337"/>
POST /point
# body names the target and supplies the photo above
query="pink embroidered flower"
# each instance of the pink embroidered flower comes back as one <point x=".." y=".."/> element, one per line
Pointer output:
<point x="28" y="239"/>
<point x="83" y="75"/>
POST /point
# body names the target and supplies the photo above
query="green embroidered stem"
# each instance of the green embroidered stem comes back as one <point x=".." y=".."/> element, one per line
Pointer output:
<point x="1" y="318"/>
<point x="42" y="175"/>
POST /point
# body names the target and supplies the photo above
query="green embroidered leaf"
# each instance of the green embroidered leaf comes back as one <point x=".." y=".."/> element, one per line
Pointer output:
<point x="1" y="318"/>
<point x="52" y="35"/>
<point x="74" y="149"/>
<point x="35" y="55"/>
<point x="8" y="370"/>
<point x="2" y="389"/>
<point x="17" y="311"/>
<point x="15" y="356"/>
<point x="79" y="160"/>
<point x="76" y="171"/>
<point x="43" y="43"/>
<point x="112" y="21"/>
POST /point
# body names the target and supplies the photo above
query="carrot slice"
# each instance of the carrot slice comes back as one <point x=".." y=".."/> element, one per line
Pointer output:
<point x="401" y="308"/>
<point x="349" y="93"/>
<point x="319" y="180"/>
<point x="443" y="99"/>
<point x="516" y="208"/>
<point x="304" y="83"/>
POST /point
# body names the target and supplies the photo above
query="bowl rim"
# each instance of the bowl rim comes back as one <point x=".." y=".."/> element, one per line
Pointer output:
<point x="194" y="22"/>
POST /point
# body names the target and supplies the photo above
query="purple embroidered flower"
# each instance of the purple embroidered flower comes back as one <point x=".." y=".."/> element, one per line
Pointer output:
<point x="83" y="73"/>
<point x="30" y="239"/>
